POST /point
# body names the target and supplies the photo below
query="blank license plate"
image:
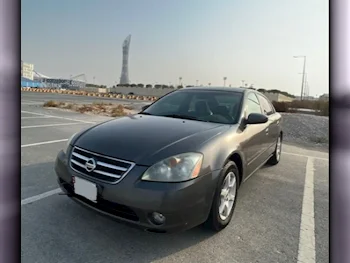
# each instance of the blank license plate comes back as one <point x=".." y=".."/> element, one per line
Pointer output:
<point x="85" y="188"/>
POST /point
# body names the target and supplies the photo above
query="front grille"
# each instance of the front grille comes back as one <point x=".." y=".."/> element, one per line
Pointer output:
<point x="109" y="170"/>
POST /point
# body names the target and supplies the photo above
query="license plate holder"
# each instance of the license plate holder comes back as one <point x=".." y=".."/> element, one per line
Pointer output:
<point x="85" y="188"/>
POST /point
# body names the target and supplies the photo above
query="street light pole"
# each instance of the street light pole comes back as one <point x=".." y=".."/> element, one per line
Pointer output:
<point x="303" y="80"/>
<point x="225" y="81"/>
<point x="302" y="86"/>
<point x="305" y="85"/>
<point x="305" y="91"/>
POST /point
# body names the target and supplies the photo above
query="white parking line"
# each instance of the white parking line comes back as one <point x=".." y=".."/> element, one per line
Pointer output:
<point x="32" y="101"/>
<point x="50" y="125"/>
<point x="36" y="117"/>
<point x="39" y="197"/>
<point x="33" y="113"/>
<point x="306" y="250"/>
<point x="307" y="156"/>
<point x="58" y="117"/>
<point x="41" y="143"/>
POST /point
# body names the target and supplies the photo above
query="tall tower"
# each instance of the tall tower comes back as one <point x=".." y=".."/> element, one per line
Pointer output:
<point x="124" y="78"/>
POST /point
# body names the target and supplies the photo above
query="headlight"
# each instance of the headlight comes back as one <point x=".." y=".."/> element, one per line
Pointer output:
<point x="68" y="143"/>
<point x="177" y="168"/>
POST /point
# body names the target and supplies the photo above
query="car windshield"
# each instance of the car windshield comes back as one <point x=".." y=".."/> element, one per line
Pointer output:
<point x="208" y="106"/>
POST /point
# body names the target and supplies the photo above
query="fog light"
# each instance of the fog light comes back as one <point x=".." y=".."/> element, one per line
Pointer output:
<point x="157" y="218"/>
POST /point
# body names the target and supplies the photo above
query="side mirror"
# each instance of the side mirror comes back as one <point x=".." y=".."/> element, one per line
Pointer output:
<point x="256" y="118"/>
<point x="144" y="107"/>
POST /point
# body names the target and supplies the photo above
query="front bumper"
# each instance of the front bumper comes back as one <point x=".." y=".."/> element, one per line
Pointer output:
<point x="184" y="205"/>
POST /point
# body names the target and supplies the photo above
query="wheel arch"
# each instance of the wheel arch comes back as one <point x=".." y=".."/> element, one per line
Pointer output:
<point x="238" y="159"/>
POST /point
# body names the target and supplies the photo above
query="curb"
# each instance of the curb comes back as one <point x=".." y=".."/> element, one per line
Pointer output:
<point x="92" y="94"/>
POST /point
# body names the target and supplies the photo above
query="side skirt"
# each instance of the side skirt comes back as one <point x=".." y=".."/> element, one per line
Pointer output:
<point x="261" y="165"/>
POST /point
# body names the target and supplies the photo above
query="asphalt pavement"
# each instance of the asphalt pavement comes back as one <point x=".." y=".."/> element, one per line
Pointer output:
<point x="282" y="213"/>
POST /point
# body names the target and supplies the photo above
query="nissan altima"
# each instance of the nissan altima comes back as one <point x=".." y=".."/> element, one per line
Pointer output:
<point x="176" y="164"/>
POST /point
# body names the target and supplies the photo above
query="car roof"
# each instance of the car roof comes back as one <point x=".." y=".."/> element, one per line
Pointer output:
<point x="210" y="88"/>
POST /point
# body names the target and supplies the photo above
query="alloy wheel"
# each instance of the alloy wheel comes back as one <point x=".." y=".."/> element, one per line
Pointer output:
<point x="278" y="148"/>
<point x="227" y="195"/>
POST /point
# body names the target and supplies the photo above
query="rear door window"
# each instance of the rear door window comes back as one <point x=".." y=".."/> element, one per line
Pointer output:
<point x="253" y="105"/>
<point x="266" y="106"/>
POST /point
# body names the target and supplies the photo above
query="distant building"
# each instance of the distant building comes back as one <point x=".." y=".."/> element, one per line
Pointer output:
<point x="324" y="97"/>
<point x="60" y="83"/>
<point x="38" y="76"/>
<point x="274" y="96"/>
<point x="28" y="83"/>
<point x="27" y="70"/>
<point x="124" y="78"/>
<point x="306" y="98"/>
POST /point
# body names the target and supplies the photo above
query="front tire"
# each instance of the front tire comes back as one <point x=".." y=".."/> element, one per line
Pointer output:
<point x="225" y="197"/>
<point x="275" y="158"/>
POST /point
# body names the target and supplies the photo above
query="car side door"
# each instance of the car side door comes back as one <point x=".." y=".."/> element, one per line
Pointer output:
<point x="274" y="122"/>
<point x="254" y="135"/>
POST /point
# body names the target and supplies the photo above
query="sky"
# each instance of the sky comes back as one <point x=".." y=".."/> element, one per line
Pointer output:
<point x="204" y="40"/>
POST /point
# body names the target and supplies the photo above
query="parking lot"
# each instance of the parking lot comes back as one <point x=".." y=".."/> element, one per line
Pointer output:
<point x="282" y="213"/>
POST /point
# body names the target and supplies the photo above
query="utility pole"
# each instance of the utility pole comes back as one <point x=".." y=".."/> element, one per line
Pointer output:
<point x="303" y="80"/>
<point x="305" y="91"/>
<point x="225" y="78"/>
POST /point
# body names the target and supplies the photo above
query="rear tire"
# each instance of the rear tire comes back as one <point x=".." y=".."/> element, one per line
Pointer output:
<point x="275" y="158"/>
<point x="225" y="197"/>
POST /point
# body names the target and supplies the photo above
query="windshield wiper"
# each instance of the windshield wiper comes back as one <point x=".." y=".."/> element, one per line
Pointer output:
<point x="179" y="116"/>
<point x="145" y="113"/>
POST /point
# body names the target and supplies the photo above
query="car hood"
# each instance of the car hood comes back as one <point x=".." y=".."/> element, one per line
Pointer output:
<point x="146" y="139"/>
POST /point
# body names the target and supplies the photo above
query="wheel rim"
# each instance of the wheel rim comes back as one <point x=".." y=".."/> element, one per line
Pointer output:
<point x="227" y="195"/>
<point x="278" y="148"/>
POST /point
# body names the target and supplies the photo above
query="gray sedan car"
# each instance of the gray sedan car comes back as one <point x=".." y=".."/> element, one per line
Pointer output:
<point x="176" y="164"/>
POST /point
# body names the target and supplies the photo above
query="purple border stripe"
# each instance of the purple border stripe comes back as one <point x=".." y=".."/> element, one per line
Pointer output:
<point x="10" y="131"/>
<point x="340" y="127"/>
